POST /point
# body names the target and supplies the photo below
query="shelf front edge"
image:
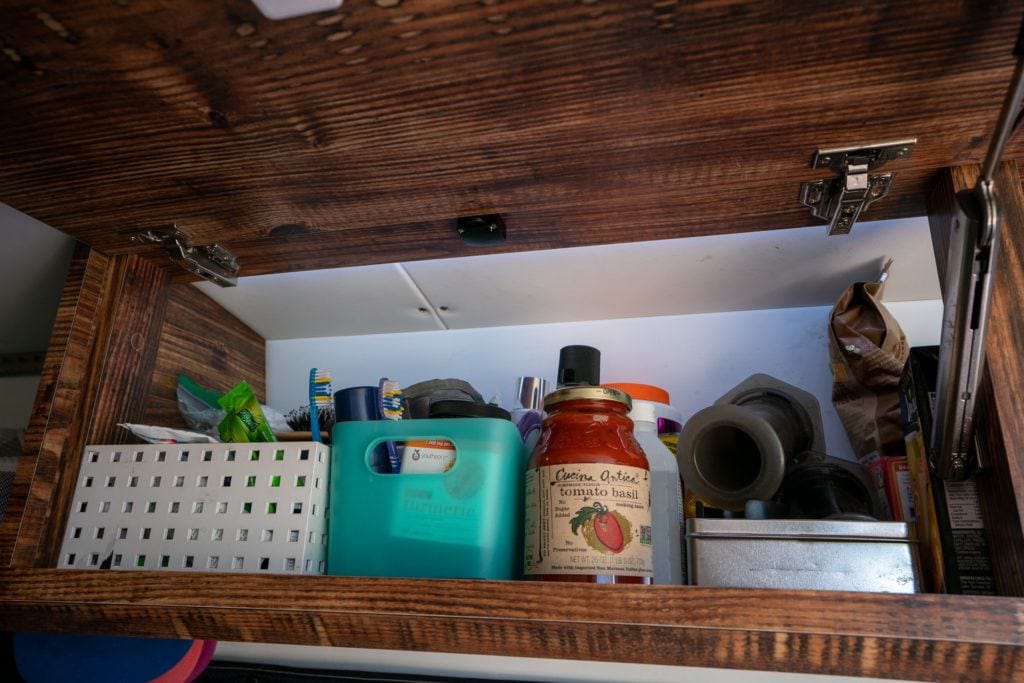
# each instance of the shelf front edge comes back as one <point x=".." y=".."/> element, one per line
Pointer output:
<point x="933" y="637"/>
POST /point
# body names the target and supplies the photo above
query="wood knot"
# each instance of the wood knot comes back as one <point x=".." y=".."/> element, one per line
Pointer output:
<point x="218" y="119"/>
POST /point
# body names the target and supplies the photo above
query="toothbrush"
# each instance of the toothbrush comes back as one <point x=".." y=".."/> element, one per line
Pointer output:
<point x="319" y="396"/>
<point x="389" y="407"/>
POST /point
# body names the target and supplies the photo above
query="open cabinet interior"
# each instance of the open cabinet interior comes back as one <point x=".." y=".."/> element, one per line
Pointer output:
<point x="335" y="154"/>
<point x="138" y="325"/>
<point x="695" y="316"/>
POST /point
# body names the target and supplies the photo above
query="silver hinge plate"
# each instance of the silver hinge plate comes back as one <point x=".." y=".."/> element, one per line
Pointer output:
<point x="841" y="200"/>
<point x="211" y="262"/>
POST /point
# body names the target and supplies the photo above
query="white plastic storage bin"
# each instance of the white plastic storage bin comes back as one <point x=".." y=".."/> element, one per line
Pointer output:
<point x="241" y="507"/>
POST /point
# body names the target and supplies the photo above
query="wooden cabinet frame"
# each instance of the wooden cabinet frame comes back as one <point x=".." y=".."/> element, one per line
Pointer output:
<point x="98" y="373"/>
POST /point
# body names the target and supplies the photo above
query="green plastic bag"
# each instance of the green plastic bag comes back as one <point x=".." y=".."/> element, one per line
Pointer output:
<point x="244" y="421"/>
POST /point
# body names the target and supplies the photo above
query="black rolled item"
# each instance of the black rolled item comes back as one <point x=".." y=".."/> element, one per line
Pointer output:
<point x="450" y="408"/>
<point x="420" y="396"/>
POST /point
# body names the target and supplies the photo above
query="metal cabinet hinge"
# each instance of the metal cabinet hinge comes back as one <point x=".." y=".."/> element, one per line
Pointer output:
<point x="211" y="262"/>
<point x="842" y="199"/>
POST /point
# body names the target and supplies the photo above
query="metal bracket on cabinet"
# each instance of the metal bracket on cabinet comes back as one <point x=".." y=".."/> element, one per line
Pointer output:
<point x="842" y="199"/>
<point x="211" y="262"/>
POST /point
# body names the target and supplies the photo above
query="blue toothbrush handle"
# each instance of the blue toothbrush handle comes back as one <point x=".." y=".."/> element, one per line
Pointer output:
<point x="314" y="416"/>
<point x="394" y="457"/>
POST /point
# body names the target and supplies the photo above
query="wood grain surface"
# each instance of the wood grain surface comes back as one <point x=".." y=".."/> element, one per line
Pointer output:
<point x="213" y="347"/>
<point x="131" y="348"/>
<point x="1000" y="425"/>
<point x="358" y="136"/>
<point x="926" y="637"/>
<point x="122" y="363"/>
<point x="59" y="418"/>
<point x="1003" y="428"/>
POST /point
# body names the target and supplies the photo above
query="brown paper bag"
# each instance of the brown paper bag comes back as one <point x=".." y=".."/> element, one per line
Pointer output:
<point x="868" y="351"/>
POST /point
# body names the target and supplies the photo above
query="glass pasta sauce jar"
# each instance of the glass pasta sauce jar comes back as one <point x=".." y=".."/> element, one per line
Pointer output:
<point x="587" y="493"/>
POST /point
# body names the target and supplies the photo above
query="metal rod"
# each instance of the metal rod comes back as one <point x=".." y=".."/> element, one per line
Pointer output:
<point x="1008" y="115"/>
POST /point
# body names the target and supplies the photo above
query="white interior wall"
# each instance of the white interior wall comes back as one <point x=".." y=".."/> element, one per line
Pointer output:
<point x="696" y="357"/>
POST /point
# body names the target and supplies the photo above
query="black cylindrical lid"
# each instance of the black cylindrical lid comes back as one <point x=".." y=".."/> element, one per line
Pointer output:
<point x="579" y="366"/>
<point x="826" y="491"/>
<point x="355" y="404"/>
<point x="441" y="409"/>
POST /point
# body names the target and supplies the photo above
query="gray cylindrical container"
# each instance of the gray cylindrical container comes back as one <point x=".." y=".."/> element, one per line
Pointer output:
<point x="738" y="449"/>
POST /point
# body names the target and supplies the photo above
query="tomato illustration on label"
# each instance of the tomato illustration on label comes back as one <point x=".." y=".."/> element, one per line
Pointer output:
<point x="604" y="530"/>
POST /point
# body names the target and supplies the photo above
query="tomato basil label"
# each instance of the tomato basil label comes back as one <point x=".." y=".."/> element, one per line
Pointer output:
<point x="588" y="519"/>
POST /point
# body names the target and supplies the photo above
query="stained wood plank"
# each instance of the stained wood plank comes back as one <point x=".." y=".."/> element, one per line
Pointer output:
<point x="1005" y="363"/>
<point x="209" y="344"/>
<point x="363" y="133"/>
<point x="58" y="422"/>
<point x="114" y="357"/>
<point x="926" y="637"/>
<point x="998" y="498"/>
<point x="96" y="374"/>
<point x="50" y="375"/>
<point x="1000" y="425"/>
<point x="123" y="360"/>
<point x="133" y="340"/>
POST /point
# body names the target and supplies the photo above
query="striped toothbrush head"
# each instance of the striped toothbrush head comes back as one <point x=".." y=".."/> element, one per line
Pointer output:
<point x="390" y="399"/>
<point x="320" y="387"/>
<point x="320" y="396"/>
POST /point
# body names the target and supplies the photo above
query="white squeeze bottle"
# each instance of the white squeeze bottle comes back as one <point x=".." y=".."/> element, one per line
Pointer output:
<point x="666" y="489"/>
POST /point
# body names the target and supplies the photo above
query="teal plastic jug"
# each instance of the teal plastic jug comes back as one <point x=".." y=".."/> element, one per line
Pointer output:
<point x="463" y="523"/>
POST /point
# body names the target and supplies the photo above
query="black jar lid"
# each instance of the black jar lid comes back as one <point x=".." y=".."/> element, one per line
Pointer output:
<point x="455" y="408"/>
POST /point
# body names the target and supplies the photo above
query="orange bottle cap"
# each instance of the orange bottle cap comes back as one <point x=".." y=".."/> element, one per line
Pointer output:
<point x="642" y="392"/>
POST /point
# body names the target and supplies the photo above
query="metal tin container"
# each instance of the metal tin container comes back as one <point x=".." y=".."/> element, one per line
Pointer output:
<point x="802" y="554"/>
